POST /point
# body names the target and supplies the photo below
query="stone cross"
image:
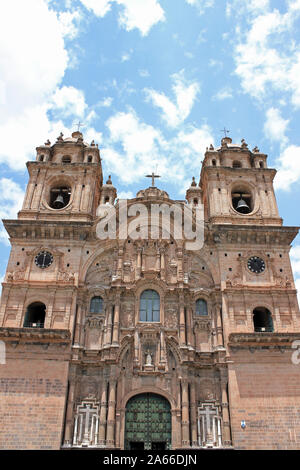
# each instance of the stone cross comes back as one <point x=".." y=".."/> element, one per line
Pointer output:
<point x="153" y="176"/>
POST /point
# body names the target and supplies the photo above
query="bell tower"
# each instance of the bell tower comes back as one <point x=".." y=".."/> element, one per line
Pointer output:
<point x="238" y="186"/>
<point x="64" y="181"/>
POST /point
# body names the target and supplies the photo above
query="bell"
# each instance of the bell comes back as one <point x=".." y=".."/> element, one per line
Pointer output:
<point x="243" y="207"/>
<point x="59" y="202"/>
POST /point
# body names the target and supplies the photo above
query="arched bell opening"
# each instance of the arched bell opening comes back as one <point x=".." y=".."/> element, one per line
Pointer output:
<point x="148" y="424"/>
<point x="242" y="200"/>
<point x="262" y="320"/>
<point x="35" y="315"/>
<point x="59" y="197"/>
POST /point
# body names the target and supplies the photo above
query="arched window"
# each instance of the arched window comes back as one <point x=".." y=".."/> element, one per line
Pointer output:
<point x="90" y="159"/>
<point x="66" y="159"/>
<point x="201" y="307"/>
<point x="35" y="315"/>
<point x="149" y="306"/>
<point x="261" y="164"/>
<point x="236" y="164"/>
<point x="262" y="320"/>
<point x="214" y="163"/>
<point x="96" y="305"/>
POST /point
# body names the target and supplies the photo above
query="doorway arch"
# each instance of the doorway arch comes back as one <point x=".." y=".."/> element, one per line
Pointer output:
<point x="148" y="423"/>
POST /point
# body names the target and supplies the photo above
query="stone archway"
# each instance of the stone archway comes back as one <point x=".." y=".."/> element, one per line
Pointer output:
<point x="148" y="423"/>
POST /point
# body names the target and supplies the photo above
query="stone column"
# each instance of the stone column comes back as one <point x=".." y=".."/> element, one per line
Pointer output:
<point x="115" y="337"/>
<point x="226" y="438"/>
<point x="107" y="340"/>
<point x="185" y="414"/>
<point x="189" y="321"/>
<point x="76" y="339"/>
<point x="111" y="415"/>
<point x="193" y="406"/>
<point x="69" y="416"/>
<point x="219" y="327"/>
<point x="103" y="410"/>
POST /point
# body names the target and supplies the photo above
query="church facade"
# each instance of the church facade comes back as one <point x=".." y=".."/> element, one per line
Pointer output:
<point x="142" y="342"/>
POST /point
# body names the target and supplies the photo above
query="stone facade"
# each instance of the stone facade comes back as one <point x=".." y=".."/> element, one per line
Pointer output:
<point x="213" y="362"/>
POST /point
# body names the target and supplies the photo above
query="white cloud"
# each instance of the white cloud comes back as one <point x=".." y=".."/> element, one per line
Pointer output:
<point x="34" y="60"/>
<point x="11" y="199"/>
<point x="201" y="4"/>
<point x="251" y="6"/>
<point x="135" y="148"/>
<point x="69" y="22"/>
<point x="142" y="15"/>
<point x="106" y="102"/>
<point x="288" y="167"/>
<point x="266" y="56"/>
<point x="98" y="7"/>
<point x="134" y="14"/>
<point x="185" y="95"/>
<point x="275" y="126"/>
<point x="126" y="56"/>
<point x="69" y="101"/>
<point x="223" y="94"/>
<point x="33" y="63"/>
<point x="125" y="195"/>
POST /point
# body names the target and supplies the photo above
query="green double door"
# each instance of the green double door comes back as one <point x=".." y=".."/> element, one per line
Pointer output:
<point x="148" y="423"/>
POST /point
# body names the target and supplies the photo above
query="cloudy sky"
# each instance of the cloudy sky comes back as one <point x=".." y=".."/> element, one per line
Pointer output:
<point x="153" y="82"/>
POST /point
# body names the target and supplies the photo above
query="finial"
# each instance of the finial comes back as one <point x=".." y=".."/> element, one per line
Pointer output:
<point x="256" y="149"/>
<point x="109" y="180"/>
<point x="193" y="183"/>
<point x="48" y="142"/>
<point x="211" y="147"/>
<point x="60" y="137"/>
<point x="244" y="144"/>
<point x="93" y="143"/>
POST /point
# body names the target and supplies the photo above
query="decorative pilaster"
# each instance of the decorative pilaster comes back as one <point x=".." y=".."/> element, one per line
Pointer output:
<point x="111" y="415"/>
<point x="69" y="415"/>
<point x="103" y="413"/>
<point x="193" y="407"/>
<point x="115" y="337"/>
<point x="185" y="422"/>
<point x="225" y="409"/>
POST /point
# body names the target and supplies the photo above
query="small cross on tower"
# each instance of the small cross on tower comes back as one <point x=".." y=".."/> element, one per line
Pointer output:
<point x="153" y="176"/>
<point x="79" y="125"/>
<point x="225" y="131"/>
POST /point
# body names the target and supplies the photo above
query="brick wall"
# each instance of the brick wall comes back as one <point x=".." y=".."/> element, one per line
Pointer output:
<point x="32" y="401"/>
<point x="265" y="393"/>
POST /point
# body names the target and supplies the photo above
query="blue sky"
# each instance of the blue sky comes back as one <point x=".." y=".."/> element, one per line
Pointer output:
<point x="153" y="82"/>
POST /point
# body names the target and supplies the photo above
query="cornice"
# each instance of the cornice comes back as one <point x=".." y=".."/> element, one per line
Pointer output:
<point x="266" y="340"/>
<point x="38" y="335"/>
